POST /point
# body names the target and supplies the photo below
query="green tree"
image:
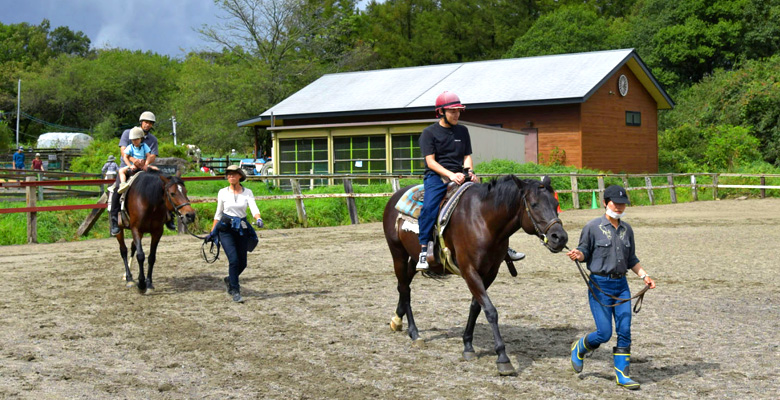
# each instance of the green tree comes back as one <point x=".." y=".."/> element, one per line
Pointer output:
<point x="685" y="40"/>
<point x="208" y="103"/>
<point x="691" y="148"/>
<point x="569" y="29"/>
<point x="83" y="92"/>
<point x="746" y="96"/>
<point x="62" y="40"/>
<point x="422" y="32"/>
<point x="288" y="40"/>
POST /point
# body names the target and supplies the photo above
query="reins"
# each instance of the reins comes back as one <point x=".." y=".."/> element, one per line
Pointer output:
<point x="639" y="296"/>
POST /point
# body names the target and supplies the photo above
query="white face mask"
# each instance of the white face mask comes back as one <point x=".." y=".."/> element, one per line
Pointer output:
<point x="614" y="214"/>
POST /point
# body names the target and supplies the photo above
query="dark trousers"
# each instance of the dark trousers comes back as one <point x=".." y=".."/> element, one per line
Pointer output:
<point x="435" y="190"/>
<point x="115" y="200"/>
<point x="235" y="246"/>
<point x="603" y="316"/>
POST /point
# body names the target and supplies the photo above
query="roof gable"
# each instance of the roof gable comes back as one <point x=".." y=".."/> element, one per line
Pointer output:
<point x="553" y="79"/>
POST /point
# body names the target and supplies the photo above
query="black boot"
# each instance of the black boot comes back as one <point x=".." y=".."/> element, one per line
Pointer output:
<point x="170" y="224"/>
<point x="114" y="225"/>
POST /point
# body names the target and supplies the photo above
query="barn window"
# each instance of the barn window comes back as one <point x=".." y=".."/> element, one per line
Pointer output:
<point x="407" y="158"/>
<point x="303" y="156"/>
<point x="633" y="118"/>
<point x="359" y="155"/>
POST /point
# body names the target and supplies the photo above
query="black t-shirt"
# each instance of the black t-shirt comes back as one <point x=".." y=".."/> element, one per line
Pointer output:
<point x="449" y="145"/>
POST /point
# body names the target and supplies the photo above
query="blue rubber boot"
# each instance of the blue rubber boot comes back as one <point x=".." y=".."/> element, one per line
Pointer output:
<point x="578" y="350"/>
<point x="622" y="356"/>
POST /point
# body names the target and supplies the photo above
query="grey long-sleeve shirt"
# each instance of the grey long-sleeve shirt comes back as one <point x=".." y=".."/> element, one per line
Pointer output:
<point x="606" y="249"/>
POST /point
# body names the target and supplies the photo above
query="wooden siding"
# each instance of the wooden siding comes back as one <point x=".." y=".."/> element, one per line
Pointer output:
<point x="608" y="143"/>
<point x="558" y="125"/>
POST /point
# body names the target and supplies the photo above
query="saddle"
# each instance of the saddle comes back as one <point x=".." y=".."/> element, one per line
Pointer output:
<point x="409" y="207"/>
<point x="123" y="217"/>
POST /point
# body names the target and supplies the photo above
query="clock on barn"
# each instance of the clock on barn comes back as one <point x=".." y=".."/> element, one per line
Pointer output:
<point x="623" y="85"/>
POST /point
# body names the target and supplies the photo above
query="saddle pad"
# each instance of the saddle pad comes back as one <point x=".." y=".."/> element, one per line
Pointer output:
<point x="409" y="205"/>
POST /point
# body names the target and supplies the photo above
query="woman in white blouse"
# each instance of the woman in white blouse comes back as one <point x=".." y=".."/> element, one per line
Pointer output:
<point x="231" y="228"/>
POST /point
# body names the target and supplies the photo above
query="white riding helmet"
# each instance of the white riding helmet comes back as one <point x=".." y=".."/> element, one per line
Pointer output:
<point x="146" y="116"/>
<point x="136" y="133"/>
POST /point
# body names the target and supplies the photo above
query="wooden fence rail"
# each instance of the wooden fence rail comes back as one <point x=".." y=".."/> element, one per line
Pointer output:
<point x="695" y="185"/>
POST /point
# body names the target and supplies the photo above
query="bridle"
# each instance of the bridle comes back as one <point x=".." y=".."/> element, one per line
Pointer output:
<point x="540" y="233"/>
<point x="211" y="251"/>
<point x="176" y="208"/>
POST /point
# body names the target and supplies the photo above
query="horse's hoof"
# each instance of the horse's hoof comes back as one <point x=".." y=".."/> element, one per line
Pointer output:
<point x="505" y="369"/>
<point x="396" y="324"/>
<point x="418" y="343"/>
<point x="129" y="284"/>
<point x="469" y="355"/>
<point x="149" y="291"/>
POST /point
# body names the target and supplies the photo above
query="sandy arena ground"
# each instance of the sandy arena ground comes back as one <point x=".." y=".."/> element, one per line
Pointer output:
<point x="315" y="323"/>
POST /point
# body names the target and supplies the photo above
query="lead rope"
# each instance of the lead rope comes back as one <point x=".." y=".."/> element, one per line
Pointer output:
<point x="639" y="296"/>
<point x="186" y="229"/>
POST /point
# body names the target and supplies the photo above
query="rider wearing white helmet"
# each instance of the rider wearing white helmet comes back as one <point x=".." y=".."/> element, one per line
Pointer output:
<point x="146" y="120"/>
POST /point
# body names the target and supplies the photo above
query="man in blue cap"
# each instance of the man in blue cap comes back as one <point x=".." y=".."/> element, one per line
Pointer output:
<point x="607" y="246"/>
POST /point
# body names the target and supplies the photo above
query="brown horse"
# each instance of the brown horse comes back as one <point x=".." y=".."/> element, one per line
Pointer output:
<point x="149" y="201"/>
<point x="478" y="238"/>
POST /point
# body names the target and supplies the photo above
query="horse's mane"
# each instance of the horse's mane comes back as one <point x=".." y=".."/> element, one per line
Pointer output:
<point x="504" y="191"/>
<point x="148" y="186"/>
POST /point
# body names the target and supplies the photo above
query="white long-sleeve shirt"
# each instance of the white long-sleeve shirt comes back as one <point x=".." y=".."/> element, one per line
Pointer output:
<point x="235" y="205"/>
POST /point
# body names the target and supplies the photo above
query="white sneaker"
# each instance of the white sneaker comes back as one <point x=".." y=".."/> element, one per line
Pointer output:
<point x="513" y="255"/>
<point x="422" y="264"/>
<point x="123" y="187"/>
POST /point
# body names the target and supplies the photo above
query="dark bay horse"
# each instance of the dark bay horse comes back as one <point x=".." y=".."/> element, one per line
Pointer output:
<point x="148" y="202"/>
<point x="478" y="237"/>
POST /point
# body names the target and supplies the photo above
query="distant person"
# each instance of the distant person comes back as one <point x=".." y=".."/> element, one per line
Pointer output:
<point x="110" y="169"/>
<point x="37" y="164"/>
<point x="607" y="247"/>
<point x="146" y="120"/>
<point x="18" y="159"/>
<point x="232" y="229"/>
<point x="135" y="158"/>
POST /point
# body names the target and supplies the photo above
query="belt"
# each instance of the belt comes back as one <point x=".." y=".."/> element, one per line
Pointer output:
<point x="610" y="275"/>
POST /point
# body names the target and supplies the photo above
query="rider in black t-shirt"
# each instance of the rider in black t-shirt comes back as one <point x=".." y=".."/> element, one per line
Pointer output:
<point x="446" y="147"/>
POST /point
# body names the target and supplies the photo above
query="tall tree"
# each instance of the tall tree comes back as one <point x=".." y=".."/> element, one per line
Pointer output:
<point x="569" y="29"/>
<point x="82" y="92"/>
<point x="421" y="32"/>
<point x="284" y="39"/>
<point x="686" y="39"/>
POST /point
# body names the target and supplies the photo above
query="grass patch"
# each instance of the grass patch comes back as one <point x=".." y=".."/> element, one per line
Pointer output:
<point x="62" y="225"/>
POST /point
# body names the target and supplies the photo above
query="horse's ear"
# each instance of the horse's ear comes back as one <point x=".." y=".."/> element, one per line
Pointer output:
<point x="178" y="173"/>
<point x="546" y="181"/>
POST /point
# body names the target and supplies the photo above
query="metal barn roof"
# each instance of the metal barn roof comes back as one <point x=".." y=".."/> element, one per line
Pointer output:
<point x="554" y="79"/>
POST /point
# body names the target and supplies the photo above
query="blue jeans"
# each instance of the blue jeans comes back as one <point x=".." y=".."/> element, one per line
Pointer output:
<point x="234" y="246"/>
<point x="435" y="190"/>
<point x="604" y="315"/>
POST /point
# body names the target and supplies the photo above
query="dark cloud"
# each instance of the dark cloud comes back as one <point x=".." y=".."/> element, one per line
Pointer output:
<point x="160" y="26"/>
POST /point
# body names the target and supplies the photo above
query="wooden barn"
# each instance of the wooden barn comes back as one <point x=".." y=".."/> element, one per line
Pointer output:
<point x="597" y="110"/>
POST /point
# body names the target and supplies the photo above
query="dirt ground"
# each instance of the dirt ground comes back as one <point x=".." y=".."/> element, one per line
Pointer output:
<point x="315" y="323"/>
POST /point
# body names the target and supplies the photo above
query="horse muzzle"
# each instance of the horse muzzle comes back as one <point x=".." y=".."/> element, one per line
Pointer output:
<point x="188" y="218"/>
<point x="555" y="239"/>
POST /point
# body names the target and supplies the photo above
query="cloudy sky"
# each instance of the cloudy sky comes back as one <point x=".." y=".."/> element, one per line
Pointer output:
<point x="162" y="26"/>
